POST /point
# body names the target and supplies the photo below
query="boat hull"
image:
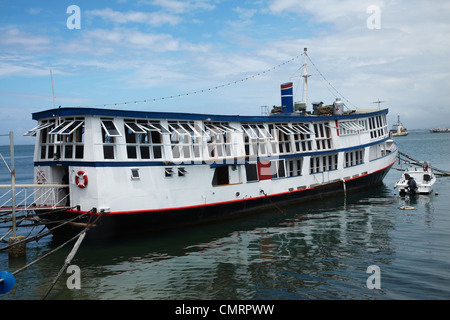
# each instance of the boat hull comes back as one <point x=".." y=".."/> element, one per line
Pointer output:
<point x="121" y="224"/>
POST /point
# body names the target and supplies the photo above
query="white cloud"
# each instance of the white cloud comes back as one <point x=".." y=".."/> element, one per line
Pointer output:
<point x="184" y="6"/>
<point x="150" y="18"/>
<point x="15" y="37"/>
<point x="404" y="63"/>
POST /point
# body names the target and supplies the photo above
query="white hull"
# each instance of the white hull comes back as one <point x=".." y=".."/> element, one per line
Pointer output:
<point x="424" y="179"/>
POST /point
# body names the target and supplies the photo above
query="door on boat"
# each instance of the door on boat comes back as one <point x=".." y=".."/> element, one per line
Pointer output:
<point x="60" y="175"/>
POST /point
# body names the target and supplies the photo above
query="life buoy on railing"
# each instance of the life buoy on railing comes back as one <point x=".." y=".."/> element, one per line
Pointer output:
<point x="40" y="177"/>
<point x="81" y="175"/>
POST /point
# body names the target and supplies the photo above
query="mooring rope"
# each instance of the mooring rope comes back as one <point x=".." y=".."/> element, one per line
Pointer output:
<point x="421" y="163"/>
<point x="80" y="236"/>
<point x="270" y="200"/>
<point x="38" y="236"/>
<point x="72" y="253"/>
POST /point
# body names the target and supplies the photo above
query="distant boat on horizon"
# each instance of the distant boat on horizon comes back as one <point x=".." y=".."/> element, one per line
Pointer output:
<point x="440" y="130"/>
<point x="398" y="129"/>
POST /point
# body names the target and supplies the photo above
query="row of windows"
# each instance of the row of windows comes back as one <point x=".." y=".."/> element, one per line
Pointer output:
<point x="323" y="163"/>
<point x="377" y="126"/>
<point x="62" y="141"/>
<point x="281" y="168"/>
<point x="353" y="158"/>
<point x="274" y="169"/>
<point x="144" y="138"/>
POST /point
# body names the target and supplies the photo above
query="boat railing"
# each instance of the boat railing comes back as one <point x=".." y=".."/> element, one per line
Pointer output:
<point x="33" y="196"/>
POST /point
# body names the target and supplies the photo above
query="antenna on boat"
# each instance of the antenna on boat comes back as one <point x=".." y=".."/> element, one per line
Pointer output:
<point x="379" y="102"/>
<point x="53" y="89"/>
<point x="305" y="76"/>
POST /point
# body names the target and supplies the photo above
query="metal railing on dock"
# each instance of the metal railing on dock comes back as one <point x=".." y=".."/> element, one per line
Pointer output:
<point x="48" y="199"/>
<point x="43" y="197"/>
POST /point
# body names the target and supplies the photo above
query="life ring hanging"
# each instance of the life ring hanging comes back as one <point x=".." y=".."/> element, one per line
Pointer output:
<point x="84" y="179"/>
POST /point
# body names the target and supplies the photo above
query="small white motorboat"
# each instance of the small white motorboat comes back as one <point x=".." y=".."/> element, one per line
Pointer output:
<point x="416" y="181"/>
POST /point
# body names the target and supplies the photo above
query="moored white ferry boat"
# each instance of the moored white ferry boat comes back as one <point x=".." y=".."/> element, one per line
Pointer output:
<point x="146" y="171"/>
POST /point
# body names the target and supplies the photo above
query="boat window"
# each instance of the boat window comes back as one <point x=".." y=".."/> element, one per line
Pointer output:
<point x="135" y="174"/>
<point x="263" y="131"/>
<point x="145" y="152"/>
<point x="79" y="152"/>
<point x="284" y="143"/>
<point x="134" y="127"/>
<point x="108" y="152"/>
<point x="218" y="140"/>
<point x="294" y="167"/>
<point x="301" y="128"/>
<point x="285" y="129"/>
<point x="251" y="170"/>
<point x="323" y="163"/>
<point x="33" y="131"/>
<point x="277" y="169"/>
<point x="168" y="172"/>
<point x="351" y="127"/>
<point x="182" y="172"/>
<point x="65" y="141"/>
<point x="249" y="131"/>
<point x="71" y="127"/>
<point x="322" y="136"/>
<point x="68" y="151"/>
<point x="221" y="176"/>
<point x="60" y="127"/>
<point x="214" y="129"/>
<point x="154" y="126"/>
<point x="378" y="126"/>
<point x="353" y="158"/>
<point x="178" y="129"/>
<point x="110" y="128"/>
<point x="131" y="152"/>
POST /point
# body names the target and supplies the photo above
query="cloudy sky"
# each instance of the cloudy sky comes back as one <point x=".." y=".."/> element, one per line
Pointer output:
<point x="121" y="51"/>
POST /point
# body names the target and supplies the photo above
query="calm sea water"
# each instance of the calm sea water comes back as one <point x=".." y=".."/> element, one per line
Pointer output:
<point x="319" y="250"/>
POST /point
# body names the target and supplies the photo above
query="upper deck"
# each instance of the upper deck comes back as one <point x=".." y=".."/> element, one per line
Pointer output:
<point x="103" y="136"/>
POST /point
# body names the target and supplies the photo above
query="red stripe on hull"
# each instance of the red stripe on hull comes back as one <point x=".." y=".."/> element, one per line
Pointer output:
<point x="222" y="202"/>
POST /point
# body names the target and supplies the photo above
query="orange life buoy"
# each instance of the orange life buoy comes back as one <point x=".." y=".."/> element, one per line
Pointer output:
<point x="84" y="179"/>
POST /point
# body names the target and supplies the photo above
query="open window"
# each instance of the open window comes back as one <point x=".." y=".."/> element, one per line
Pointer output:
<point x="60" y="127"/>
<point x="33" y="131"/>
<point x="74" y="125"/>
<point x="110" y="128"/>
<point x="134" y="127"/>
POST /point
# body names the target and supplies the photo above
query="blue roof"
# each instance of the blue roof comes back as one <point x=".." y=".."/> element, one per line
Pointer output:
<point x="75" y="112"/>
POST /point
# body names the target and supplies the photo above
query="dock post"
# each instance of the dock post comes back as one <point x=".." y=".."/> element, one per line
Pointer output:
<point x="18" y="250"/>
<point x="13" y="182"/>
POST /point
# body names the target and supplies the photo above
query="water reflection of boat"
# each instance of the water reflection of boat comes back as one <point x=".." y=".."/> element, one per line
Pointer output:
<point x="398" y="129"/>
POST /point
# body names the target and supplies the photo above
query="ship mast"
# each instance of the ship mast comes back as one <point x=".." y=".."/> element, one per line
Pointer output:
<point x="305" y="76"/>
